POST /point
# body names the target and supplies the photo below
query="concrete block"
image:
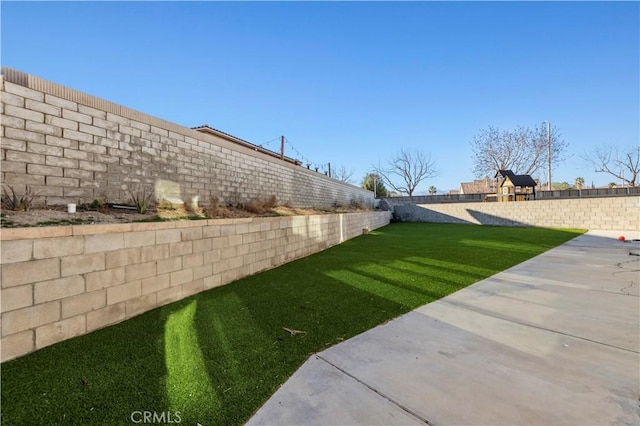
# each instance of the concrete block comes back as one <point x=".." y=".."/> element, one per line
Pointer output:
<point x="83" y="303"/>
<point x="62" y="162"/>
<point x="43" y="107"/>
<point x="156" y="283"/>
<point x="228" y="253"/>
<point x="63" y="103"/>
<point x="22" y="91"/>
<point x="123" y="292"/>
<point x="203" y="245"/>
<point x="78" y="154"/>
<point x="14" y="274"/>
<point x="17" y="345"/>
<point x="30" y="317"/>
<point x="123" y="257"/>
<point x="181" y="248"/>
<point x="212" y="256"/>
<point x="81" y="264"/>
<point x="92" y="166"/>
<point x="153" y="252"/>
<point x="169" y="295"/>
<point x="211" y="231"/>
<point x="168" y="236"/>
<point x="11" y="99"/>
<point x="106" y="316"/>
<point x="140" y="304"/>
<point x="192" y="287"/>
<point x="190" y="234"/>
<point x="37" y="169"/>
<point x="24" y="157"/>
<point x="92" y="130"/>
<point x="139" y="239"/>
<point x="13" y="145"/>
<point x="171" y="264"/>
<point x="92" y="112"/>
<point x="140" y="270"/>
<point x="14" y="122"/>
<point x="56" y="141"/>
<point x="181" y="277"/>
<point x="24" y="135"/>
<point x="16" y="251"/>
<point x="85" y="177"/>
<point x="62" y="181"/>
<point x="202" y="271"/>
<point x="27" y="114"/>
<point x="76" y="116"/>
<point x="78" y="136"/>
<point x="45" y="129"/>
<point x="92" y="148"/>
<point x="60" y="288"/>
<point x="58" y="331"/>
<point x="191" y="260"/>
<point x="103" y="242"/>
<point x="61" y="123"/>
<point x="13" y="298"/>
<point x="41" y="148"/>
<point x="103" y="279"/>
<point x="212" y="281"/>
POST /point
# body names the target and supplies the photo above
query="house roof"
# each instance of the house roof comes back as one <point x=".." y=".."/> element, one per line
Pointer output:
<point x="481" y="186"/>
<point x="517" y="180"/>
<point x="212" y="131"/>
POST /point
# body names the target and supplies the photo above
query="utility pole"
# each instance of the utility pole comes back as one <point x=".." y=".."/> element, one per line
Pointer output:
<point x="329" y="169"/>
<point x="374" y="187"/>
<point x="549" y="149"/>
<point x="282" y="147"/>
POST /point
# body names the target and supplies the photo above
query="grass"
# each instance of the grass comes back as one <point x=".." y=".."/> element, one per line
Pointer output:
<point x="217" y="356"/>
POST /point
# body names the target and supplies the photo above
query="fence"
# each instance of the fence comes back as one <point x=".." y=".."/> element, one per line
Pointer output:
<point x="471" y="198"/>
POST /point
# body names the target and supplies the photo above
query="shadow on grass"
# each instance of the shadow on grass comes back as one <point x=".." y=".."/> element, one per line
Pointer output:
<point x="217" y="356"/>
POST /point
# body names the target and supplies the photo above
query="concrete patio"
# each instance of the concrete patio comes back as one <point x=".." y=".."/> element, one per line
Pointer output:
<point x="554" y="340"/>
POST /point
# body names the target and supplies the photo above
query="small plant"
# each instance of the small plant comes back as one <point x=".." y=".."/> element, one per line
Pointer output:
<point x="212" y="209"/>
<point x="15" y="202"/>
<point x="142" y="200"/>
<point x="272" y="202"/>
<point x="258" y="206"/>
<point x="99" y="204"/>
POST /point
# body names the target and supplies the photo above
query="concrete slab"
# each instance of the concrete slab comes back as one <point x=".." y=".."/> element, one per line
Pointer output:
<point x="554" y="340"/>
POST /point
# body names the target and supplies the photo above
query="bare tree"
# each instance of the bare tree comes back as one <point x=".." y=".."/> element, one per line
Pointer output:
<point x="407" y="170"/>
<point x="344" y="175"/>
<point x="624" y="165"/>
<point x="523" y="150"/>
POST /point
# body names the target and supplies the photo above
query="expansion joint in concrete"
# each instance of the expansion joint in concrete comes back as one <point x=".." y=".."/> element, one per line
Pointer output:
<point x="526" y="324"/>
<point x="373" y="389"/>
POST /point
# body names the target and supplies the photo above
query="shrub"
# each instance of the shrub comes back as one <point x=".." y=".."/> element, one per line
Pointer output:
<point x="142" y="200"/>
<point x="15" y="202"/>
<point x="213" y="207"/>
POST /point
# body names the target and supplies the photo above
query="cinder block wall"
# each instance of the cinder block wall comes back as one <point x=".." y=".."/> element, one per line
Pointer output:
<point x="73" y="148"/>
<point x="61" y="282"/>
<point x="605" y="213"/>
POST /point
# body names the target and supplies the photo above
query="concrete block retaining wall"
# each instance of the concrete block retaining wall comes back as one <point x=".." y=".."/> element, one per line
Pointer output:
<point x="61" y="282"/>
<point x="605" y="213"/>
<point x="73" y="148"/>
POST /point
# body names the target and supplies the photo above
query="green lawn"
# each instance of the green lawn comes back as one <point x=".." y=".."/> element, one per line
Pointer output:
<point x="217" y="356"/>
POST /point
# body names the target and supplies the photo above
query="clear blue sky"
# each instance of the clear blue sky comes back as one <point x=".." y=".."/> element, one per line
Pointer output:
<point x="351" y="83"/>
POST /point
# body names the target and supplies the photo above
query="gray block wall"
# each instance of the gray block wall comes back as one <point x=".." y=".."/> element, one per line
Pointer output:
<point x="71" y="147"/>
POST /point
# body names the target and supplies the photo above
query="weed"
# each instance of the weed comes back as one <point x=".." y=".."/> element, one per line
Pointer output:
<point x="259" y="206"/>
<point x="15" y="202"/>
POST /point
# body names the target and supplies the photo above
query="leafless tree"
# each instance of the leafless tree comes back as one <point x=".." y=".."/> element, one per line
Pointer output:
<point x="407" y="170"/>
<point x="344" y="175"/>
<point x="523" y="150"/>
<point x="622" y="164"/>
